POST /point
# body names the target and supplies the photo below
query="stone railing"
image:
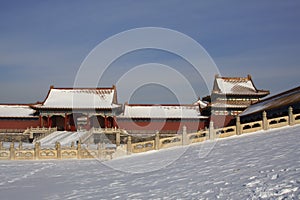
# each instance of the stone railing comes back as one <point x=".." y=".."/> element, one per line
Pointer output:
<point x="212" y="133"/>
<point x="226" y="131"/>
<point x="18" y="131"/>
<point x="105" y="130"/>
<point x="200" y="136"/>
<point x="58" y="152"/>
<point x="142" y="146"/>
<point x="278" y="122"/>
<point x="251" y="127"/>
<point x="266" y="124"/>
<point x="297" y="119"/>
<point x="170" y="142"/>
<point x="39" y="132"/>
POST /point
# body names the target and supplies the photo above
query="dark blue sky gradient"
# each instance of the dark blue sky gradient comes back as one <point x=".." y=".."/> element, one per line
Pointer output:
<point x="43" y="43"/>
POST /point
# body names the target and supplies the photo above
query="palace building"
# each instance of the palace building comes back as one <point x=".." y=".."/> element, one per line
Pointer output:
<point x="72" y="109"/>
<point x="17" y="116"/>
<point x="79" y="108"/>
<point x="167" y="119"/>
<point x="231" y="96"/>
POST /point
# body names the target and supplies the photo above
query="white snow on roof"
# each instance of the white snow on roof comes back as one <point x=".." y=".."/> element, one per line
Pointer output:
<point x="161" y="111"/>
<point x="16" y="111"/>
<point x="239" y="86"/>
<point x="80" y="98"/>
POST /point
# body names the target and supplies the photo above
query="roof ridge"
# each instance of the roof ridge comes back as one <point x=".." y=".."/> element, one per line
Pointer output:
<point x="85" y="88"/>
<point x="16" y="104"/>
<point x="235" y="79"/>
<point x="159" y="105"/>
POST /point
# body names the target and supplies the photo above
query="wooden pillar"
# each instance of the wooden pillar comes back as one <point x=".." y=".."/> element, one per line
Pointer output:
<point x="291" y="116"/>
<point x="40" y="121"/>
<point x="105" y="121"/>
<point x="48" y="121"/>
<point x="66" y="122"/>
<point x="51" y="121"/>
<point x="88" y="122"/>
<point x="264" y="120"/>
<point x="238" y="125"/>
<point x="115" y="122"/>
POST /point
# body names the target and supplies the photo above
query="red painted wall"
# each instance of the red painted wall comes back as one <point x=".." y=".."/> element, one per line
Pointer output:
<point x="18" y="123"/>
<point x="221" y="120"/>
<point x="160" y="125"/>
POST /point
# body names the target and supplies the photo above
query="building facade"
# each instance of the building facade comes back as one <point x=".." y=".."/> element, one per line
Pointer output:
<point x="71" y="109"/>
<point x="167" y="119"/>
<point x="17" y="116"/>
<point x="230" y="97"/>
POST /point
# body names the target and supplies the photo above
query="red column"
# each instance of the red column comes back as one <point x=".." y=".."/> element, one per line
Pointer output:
<point x="115" y="122"/>
<point x="105" y="121"/>
<point x="88" y="122"/>
<point x="40" y="121"/>
<point x="48" y="121"/>
<point x="66" y="121"/>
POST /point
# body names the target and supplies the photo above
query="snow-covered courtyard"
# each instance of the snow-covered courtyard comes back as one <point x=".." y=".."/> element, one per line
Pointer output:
<point x="263" y="165"/>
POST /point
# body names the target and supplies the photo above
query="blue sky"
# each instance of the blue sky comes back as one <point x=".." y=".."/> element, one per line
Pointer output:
<point x="43" y="43"/>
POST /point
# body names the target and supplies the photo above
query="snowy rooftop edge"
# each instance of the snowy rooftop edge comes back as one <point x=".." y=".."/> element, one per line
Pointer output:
<point x="80" y="98"/>
<point x="16" y="111"/>
<point x="161" y="111"/>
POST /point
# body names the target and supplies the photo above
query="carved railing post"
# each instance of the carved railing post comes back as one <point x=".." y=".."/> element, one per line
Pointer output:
<point x="129" y="146"/>
<point x="20" y="145"/>
<point x="291" y="116"/>
<point x="238" y="126"/>
<point x="265" y="120"/>
<point x="100" y="152"/>
<point x="12" y="151"/>
<point x="58" y="149"/>
<point x="37" y="150"/>
<point x="212" y="132"/>
<point x="184" y="136"/>
<point x="118" y="138"/>
<point x="72" y="145"/>
<point x="79" y="149"/>
<point x="156" y="140"/>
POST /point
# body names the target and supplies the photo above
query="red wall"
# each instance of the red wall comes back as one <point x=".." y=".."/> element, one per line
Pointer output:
<point x="221" y="120"/>
<point x="18" y="123"/>
<point x="160" y="125"/>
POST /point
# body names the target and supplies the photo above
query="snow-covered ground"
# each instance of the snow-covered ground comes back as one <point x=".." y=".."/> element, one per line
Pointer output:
<point x="263" y="165"/>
